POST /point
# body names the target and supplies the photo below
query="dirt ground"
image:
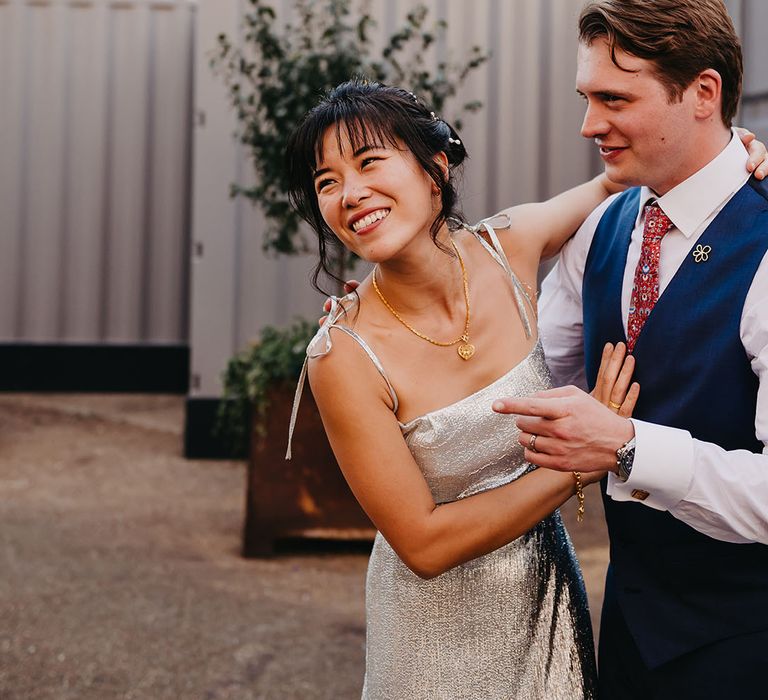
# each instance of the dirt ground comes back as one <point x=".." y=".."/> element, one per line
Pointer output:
<point x="120" y="574"/>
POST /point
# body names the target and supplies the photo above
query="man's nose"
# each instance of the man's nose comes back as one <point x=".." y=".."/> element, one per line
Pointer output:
<point x="594" y="123"/>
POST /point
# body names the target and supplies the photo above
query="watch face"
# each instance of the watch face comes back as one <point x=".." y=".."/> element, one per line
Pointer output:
<point x="626" y="458"/>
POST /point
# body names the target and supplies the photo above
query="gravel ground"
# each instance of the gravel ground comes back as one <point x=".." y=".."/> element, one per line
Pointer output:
<point x="120" y="574"/>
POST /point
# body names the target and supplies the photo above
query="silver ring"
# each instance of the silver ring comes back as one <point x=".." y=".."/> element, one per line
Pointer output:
<point x="532" y="443"/>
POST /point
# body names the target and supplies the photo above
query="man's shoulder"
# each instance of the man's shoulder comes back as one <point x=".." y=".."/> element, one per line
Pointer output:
<point x="628" y="200"/>
<point x="576" y="249"/>
<point x="597" y="213"/>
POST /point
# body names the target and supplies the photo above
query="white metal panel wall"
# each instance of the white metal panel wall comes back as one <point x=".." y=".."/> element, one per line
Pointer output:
<point x="754" y="112"/>
<point x="524" y="145"/>
<point x="95" y="130"/>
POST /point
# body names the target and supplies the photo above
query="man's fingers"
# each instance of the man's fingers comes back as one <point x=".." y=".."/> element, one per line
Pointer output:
<point x="350" y="286"/>
<point x="542" y="459"/>
<point x="534" y="425"/>
<point x="551" y="407"/>
<point x="542" y="442"/>
<point x="326" y="308"/>
<point x="558" y="392"/>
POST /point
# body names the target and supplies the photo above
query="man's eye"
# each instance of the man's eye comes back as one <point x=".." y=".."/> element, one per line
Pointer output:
<point x="611" y="98"/>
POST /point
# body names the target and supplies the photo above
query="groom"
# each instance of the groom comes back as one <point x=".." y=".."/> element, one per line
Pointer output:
<point x="676" y="268"/>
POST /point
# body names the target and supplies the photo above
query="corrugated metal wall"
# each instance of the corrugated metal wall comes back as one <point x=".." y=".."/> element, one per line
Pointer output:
<point x="752" y="18"/>
<point x="95" y="162"/>
<point x="524" y="145"/>
<point x="95" y="141"/>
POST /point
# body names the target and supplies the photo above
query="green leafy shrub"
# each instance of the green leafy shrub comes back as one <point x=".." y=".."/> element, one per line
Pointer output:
<point x="274" y="76"/>
<point x="275" y="359"/>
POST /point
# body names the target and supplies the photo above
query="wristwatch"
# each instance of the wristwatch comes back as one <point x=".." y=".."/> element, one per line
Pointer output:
<point x="625" y="456"/>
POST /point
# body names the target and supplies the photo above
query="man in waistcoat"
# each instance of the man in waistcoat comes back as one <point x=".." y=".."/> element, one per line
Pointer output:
<point x="676" y="268"/>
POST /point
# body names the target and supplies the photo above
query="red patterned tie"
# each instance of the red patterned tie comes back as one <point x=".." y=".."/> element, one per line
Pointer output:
<point x="645" y="291"/>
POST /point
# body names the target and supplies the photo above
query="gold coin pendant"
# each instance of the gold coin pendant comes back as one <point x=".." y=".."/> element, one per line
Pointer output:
<point x="466" y="350"/>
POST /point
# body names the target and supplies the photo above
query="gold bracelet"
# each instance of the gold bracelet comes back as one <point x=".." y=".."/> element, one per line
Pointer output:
<point x="579" y="497"/>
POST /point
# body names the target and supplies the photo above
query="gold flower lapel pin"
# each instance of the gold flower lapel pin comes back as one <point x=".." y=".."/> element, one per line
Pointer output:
<point x="701" y="253"/>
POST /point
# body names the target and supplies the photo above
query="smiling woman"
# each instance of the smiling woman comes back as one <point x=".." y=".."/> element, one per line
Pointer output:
<point x="332" y="157"/>
<point x="410" y="421"/>
<point x="473" y="590"/>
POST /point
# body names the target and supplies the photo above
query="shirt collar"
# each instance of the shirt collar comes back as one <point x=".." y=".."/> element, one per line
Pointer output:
<point x="694" y="200"/>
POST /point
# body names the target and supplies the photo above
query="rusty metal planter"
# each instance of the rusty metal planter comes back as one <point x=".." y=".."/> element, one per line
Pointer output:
<point x="304" y="497"/>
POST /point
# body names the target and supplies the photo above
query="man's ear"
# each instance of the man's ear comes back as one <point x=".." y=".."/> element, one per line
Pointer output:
<point x="709" y="93"/>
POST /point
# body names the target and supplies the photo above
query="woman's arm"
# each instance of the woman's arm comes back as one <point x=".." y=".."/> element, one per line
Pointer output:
<point x="546" y="226"/>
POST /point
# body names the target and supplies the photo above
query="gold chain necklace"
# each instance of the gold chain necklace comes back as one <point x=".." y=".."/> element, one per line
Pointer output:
<point x="466" y="349"/>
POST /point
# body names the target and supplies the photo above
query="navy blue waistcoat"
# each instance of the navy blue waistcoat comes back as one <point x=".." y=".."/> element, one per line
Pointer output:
<point x="677" y="588"/>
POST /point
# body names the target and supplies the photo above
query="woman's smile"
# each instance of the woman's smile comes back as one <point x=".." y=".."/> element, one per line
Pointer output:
<point x="366" y="221"/>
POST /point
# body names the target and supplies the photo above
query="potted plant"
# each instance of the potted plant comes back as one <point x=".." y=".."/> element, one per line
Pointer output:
<point x="274" y="76"/>
<point x="307" y="496"/>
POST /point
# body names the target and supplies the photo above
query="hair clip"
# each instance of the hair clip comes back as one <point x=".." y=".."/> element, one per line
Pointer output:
<point x="452" y="140"/>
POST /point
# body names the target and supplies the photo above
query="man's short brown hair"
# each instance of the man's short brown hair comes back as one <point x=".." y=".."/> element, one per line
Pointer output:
<point x="681" y="37"/>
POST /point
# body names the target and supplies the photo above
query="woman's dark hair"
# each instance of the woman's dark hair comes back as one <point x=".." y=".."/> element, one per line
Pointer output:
<point x="372" y="114"/>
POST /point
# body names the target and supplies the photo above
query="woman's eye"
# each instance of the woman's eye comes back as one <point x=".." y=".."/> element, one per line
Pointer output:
<point x="368" y="161"/>
<point x="323" y="184"/>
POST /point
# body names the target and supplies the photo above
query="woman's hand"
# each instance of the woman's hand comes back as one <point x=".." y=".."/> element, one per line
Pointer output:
<point x="614" y="387"/>
<point x="758" y="155"/>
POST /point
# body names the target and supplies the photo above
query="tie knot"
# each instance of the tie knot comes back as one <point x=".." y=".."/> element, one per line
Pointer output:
<point x="657" y="223"/>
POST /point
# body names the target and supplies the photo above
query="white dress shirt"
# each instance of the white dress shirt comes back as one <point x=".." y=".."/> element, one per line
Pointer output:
<point x="723" y="494"/>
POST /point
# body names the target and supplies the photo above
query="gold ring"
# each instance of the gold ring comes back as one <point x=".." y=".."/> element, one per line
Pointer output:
<point x="614" y="405"/>
<point x="532" y="443"/>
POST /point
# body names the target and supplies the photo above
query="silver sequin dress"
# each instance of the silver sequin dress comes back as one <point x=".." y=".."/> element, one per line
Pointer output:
<point x="512" y="624"/>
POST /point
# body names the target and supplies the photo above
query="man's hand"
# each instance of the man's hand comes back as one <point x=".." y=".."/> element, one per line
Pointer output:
<point x="349" y="286"/>
<point x="573" y="430"/>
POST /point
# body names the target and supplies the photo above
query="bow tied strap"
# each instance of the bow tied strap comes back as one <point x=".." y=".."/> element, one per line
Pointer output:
<point x="522" y="299"/>
<point x="502" y="218"/>
<point x="320" y="345"/>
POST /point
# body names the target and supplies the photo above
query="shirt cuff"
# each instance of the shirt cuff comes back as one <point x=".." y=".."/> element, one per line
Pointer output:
<point x="662" y="469"/>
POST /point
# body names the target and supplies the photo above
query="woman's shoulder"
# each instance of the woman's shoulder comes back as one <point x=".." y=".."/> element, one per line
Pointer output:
<point x="340" y="359"/>
<point x="505" y="240"/>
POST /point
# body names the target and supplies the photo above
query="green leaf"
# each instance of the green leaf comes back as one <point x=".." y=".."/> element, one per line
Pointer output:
<point x="275" y="74"/>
